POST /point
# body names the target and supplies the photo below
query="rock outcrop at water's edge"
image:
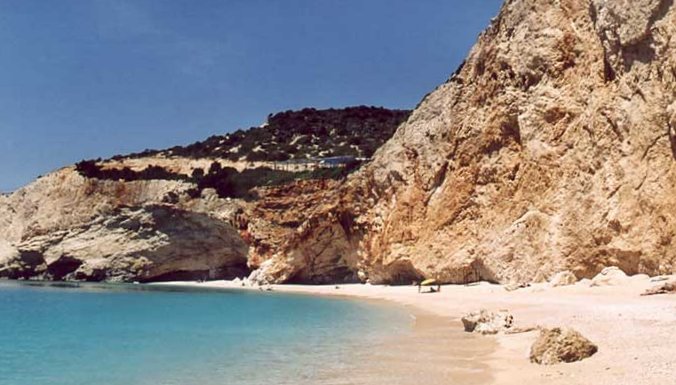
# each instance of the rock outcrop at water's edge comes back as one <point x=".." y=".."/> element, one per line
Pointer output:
<point x="65" y="226"/>
<point x="189" y="212"/>
<point x="552" y="148"/>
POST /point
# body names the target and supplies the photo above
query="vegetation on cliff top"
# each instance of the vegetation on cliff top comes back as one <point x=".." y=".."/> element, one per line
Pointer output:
<point x="306" y="134"/>
<point x="303" y="134"/>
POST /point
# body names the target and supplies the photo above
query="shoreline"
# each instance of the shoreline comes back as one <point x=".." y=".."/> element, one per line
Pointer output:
<point x="634" y="333"/>
<point x="434" y="349"/>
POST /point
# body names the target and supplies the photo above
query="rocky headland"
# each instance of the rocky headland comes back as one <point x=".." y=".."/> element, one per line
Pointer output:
<point x="211" y="210"/>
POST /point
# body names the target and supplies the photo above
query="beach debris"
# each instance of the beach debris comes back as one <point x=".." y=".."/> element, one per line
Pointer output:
<point x="487" y="322"/>
<point x="610" y="276"/>
<point x="659" y="278"/>
<point x="562" y="278"/>
<point x="559" y="345"/>
<point x="521" y="329"/>
<point x="665" y="288"/>
<point x="516" y="286"/>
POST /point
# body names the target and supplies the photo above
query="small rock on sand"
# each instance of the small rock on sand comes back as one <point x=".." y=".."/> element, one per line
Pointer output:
<point x="665" y="288"/>
<point x="610" y="276"/>
<point x="516" y="286"/>
<point x="563" y="278"/>
<point x="487" y="322"/>
<point x="558" y="345"/>
<point x="659" y="278"/>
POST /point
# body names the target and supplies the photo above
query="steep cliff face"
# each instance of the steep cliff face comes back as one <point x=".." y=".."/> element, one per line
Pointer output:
<point x="302" y="233"/>
<point x="553" y="147"/>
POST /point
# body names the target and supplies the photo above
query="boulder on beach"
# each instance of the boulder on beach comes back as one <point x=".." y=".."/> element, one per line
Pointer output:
<point x="559" y="345"/>
<point x="487" y="322"/>
<point x="563" y="278"/>
<point x="610" y="276"/>
<point x="665" y="288"/>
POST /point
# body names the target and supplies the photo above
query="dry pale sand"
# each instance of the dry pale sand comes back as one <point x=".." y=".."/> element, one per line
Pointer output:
<point x="636" y="335"/>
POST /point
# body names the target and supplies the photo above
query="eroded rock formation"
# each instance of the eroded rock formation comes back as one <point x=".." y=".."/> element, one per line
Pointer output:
<point x="301" y="233"/>
<point x="65" y="226"/>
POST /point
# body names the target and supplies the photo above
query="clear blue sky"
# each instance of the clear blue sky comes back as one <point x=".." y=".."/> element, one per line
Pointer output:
<point x="93" y="78"/>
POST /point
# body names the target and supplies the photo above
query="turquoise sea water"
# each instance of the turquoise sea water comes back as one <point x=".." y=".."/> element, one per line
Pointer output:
<point x="93" y="334"/>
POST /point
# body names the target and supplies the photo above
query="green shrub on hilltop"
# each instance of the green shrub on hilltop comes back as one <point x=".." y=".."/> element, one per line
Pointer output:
<point x="290" y="135"/>
<point x="307" y="133"/>
<point x="91" y="169"/>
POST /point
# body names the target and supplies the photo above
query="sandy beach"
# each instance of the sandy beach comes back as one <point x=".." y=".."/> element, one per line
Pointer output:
<point x="634" y="333"/>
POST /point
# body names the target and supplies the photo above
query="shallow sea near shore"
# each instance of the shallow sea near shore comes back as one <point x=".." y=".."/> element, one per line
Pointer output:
<point x="135" y="334"/>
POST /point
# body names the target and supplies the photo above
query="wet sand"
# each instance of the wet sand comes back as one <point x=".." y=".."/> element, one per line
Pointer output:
<point x="635" y="335"/>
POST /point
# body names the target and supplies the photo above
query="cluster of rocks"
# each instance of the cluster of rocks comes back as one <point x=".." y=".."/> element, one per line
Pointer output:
<point x="665" y="288"/>
<point x="487" y="322"/>
<point x="609" y="276"/>
<point x="552" y="346"/>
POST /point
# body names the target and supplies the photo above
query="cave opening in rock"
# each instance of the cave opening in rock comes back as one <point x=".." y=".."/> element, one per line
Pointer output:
<point x="63" y="266"/>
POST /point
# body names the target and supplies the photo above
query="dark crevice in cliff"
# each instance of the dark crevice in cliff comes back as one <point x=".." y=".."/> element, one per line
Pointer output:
<point x="63" y="266"/>
<point x="672" y="139"/>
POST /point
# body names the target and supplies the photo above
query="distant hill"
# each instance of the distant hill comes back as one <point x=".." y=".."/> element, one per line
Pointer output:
<point x="304" y="134"/>
<point x="337" y="141"/>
